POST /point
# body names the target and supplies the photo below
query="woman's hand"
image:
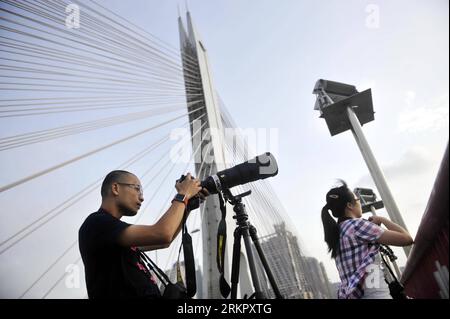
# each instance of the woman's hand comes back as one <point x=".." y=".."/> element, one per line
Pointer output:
<point x="376" y="220"/>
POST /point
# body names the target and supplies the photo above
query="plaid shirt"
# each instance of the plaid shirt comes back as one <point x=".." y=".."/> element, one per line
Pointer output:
<point x="355" y="254"/>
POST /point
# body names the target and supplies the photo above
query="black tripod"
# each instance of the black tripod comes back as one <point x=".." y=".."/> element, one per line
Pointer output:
<point x="246" y="230"/>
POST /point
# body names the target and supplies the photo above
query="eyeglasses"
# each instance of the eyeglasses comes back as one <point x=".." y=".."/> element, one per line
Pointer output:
<point x="135" y="186"/>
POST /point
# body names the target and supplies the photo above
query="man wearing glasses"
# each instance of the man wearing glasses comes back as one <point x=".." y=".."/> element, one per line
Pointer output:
<point x="108" y="245"/>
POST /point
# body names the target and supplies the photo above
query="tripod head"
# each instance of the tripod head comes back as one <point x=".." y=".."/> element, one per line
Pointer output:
<point x="386" y="250"/>
<point x="234" y="199"/>
<point x="238" y="207"/>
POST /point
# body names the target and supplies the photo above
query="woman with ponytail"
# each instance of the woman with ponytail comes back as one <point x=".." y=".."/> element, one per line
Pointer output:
<point x="354" y="244"/>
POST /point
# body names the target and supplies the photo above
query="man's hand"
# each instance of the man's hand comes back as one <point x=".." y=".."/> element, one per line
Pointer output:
<point x="203" y="194"/>
<point x="189" y="186"/>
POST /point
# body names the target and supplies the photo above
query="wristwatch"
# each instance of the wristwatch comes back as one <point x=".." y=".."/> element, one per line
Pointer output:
<point x="181" y="198"/>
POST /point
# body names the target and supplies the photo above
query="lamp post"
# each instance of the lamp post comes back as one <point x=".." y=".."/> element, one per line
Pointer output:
<point x="344" y="108"/>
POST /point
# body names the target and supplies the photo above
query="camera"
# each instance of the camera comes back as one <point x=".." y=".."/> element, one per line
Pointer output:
<point x="368" y="198"/>
<point x="260" y="167"/>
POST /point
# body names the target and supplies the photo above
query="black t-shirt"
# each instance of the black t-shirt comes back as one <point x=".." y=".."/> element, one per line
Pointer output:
<point x="112" y="271"/>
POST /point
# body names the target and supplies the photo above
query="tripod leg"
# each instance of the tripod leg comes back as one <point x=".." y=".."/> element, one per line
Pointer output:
<point x="235" y="263"/>
<point x="263" y="259"/>
<point x="241" y="220"/>
<point x="251" y="263"/>
<point x="397" y="270"/>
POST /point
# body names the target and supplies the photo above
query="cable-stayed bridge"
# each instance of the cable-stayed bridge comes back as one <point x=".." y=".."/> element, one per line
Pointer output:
<point x="80" y="100"/>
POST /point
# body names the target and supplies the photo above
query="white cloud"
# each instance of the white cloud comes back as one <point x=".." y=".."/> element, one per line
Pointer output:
<point x="410" y="179"/>
<point x="415" y="161"/>
<point x="410" y="96"/>
<point x="431" y="117"/>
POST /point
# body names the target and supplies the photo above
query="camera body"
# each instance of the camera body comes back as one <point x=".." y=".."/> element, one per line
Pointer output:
<point x="194" y="202"/>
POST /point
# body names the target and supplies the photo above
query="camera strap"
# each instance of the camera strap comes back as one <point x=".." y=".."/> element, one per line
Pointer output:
<point x="189" y="261"/>
<point x="163" y="278"/>
<point x="171" y="290"/>
<point x="395" y="287"/>
<point x="394" y="277"/>
<point x="221" y="245"/>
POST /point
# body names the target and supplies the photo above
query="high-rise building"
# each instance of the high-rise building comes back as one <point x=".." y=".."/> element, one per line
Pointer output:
<point x="319" y="280"/>
<point x="288" y="265"/>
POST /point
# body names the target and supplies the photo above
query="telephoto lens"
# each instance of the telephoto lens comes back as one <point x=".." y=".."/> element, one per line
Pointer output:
<point x="260" y="167"/>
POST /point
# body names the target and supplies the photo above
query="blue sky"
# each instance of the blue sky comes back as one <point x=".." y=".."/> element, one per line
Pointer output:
<point x="266" y="57"/>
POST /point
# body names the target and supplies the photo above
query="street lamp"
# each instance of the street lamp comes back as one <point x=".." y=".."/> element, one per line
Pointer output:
<point x="344" y="108"/>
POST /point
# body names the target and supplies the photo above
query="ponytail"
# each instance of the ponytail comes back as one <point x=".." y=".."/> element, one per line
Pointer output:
<point x="331" y="230"/>
<point x="337" y="199"/>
